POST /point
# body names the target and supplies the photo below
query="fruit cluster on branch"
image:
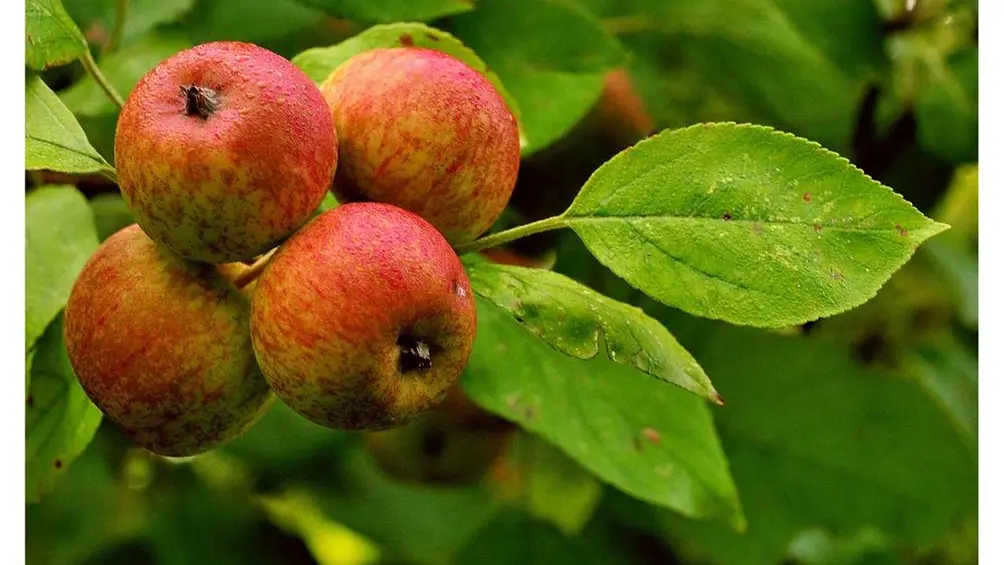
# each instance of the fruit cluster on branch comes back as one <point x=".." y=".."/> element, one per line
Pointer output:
<point x="363" y="317"/>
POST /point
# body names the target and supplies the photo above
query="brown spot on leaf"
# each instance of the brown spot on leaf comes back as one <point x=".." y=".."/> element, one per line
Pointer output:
<point x="818" y="228"/>
<point x="902" y="231"/>
<point x="651" y="435"/>
<point x="836" y="275"/>
<point x="531" y="413"/>
<point x="431" y="37"/>
<point x="406" y="40"/>
<point x="31" y="401"/>
<point x="726" y="216"/>
<point x="58" y="464"/>
<point x="806" y="197"/>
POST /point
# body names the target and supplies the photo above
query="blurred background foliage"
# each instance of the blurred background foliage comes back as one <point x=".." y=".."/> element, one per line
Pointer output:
<point x="852" y="440"/>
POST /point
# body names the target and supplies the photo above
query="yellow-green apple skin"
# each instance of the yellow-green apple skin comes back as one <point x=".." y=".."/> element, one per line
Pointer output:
<point x="423" y="131"/>
<point x="363" y="319"/>
<point x="224" y="150"/>
<point x="162" y="346"/>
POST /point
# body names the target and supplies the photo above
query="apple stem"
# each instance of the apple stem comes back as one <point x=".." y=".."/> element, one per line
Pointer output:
<point x="512" y="234"/>
<point x="256" y="268"/>
<point x="199" y="100"/>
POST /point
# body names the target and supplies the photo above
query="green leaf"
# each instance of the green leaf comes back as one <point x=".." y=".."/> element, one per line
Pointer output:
<point x="745" y="224"/>
<point x="388" y="11"/>
<point x="583" y="323"/>
<point x="815" y="440"/>
<point x="142" y="16"/>
<point x="60" y="420"/>
<point x="410" y="523"/>
<point x="653" y="441"/>
<point x="329" y="542"/>
<point x="123" y="69"/>
<point x="552" y="56"/>
<point x="949" y="371"/>
<point x="948" y="109"/>
<point x="282" y="442"/>
<point x="958" y="267"/>
<point x="799" y="65"/>
<point x="818" y="547"/>
<point x="59" y="238"/>
<point x="558" y="490"/>
<point x="249" y="20"/>
<point x="111" y="213"/>
<point x="319" y="62"/>
<point x="53" y="139"/>
<point x="513" y="537"/>
<point x="51" y="37"/>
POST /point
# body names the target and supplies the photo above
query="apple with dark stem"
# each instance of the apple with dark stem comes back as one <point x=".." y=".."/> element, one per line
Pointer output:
<point x="224" y="150"/>
<point x="423" y="131"/>
<point x="363" y="319"/>
<point x="162" y="346"/>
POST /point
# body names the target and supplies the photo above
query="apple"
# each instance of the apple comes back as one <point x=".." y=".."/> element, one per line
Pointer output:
<point x="162" y="346"/>
<point x="224" y="150"/>
<point x="364" y="318"/>
<point x="454" y="443"/>
<point x="421" y="130"/>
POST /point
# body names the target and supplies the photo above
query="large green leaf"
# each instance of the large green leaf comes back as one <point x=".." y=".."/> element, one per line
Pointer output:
<point x="122" y="69"/>
<point x="50" y="36"/>
<point x="53" y="139"/>
<point x="814" y="440"/>
<point x="319" y="62"/>
<point x="551" y="56"/>
<point x="583" y="323"/>
<point x="60" y="420"/>
<point x="653" y="441"/>
<point x="388" y="11"/>
<point x="745" y="224"/>
<point x="59" y="238"/>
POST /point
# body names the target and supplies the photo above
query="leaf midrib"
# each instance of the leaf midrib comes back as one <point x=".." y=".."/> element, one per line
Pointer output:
<point x="571" y="219"/>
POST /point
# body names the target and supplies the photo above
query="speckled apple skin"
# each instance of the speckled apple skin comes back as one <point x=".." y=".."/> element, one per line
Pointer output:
<point x="328" y="311"/>
<point x="421" y="130"/>
<point x="235" y="184"/>
<point x="162" y="346"/>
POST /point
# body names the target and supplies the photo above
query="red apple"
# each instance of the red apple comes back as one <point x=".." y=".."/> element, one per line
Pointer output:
<point x="162" y="346"/>
<point x="363" y="319"/>
<point x="224" y="150"/>
<point x="423" y="131"/>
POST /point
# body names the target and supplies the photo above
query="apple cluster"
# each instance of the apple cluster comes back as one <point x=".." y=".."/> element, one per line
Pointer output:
<point x="230" y="290"/>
